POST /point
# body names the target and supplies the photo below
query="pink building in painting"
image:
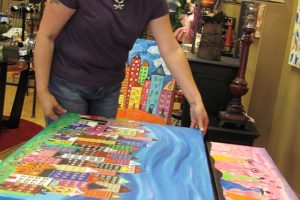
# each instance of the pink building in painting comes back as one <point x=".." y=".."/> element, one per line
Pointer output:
<point x="165" y="102"/>
<point x="145" y="93"/>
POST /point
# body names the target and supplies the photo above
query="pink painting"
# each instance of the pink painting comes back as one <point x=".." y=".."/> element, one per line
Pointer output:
<point x="247" y="173"/>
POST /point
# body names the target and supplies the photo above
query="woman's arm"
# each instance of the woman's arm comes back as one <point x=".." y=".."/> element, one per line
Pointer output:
<point x="55" y="17"/>
<point x="177" y="63"/>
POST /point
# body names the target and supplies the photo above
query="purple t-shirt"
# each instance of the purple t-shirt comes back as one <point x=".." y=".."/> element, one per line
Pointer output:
<point x="93" y="46"/>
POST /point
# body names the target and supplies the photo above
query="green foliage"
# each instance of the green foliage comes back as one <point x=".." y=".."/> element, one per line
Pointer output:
<point x="182" y="8"/>
<point x="3" y="28"/>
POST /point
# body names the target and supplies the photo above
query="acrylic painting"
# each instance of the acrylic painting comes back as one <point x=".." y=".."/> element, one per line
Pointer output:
<point x="82" y="157"/>
<point x="148" y="84"/>
<point x="245" y="172"/>
<point x="295" y="47"/>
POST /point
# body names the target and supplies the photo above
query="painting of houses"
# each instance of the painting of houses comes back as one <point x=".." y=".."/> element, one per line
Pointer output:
<point x="146" y="78"/>
<point x="107" y="159"/>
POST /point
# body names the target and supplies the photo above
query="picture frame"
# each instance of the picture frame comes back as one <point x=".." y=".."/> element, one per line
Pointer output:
<point x="294" y="52"/>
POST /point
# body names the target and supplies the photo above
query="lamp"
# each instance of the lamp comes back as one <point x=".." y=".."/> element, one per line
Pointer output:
<point x="235" y="111"/>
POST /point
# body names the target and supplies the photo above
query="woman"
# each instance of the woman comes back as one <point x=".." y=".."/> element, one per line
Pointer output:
<point x="81" y="49"/>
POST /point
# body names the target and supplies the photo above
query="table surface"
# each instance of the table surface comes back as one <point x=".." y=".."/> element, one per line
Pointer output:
<point x="225" y="61"/>
<point x="88" y="157"/>
<point x="4" y="154"/>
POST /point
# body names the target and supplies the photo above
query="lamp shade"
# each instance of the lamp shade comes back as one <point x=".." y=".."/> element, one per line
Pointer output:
<point x="250" y="16"/>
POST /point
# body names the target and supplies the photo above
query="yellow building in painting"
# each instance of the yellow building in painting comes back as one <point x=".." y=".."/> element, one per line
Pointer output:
<point x="122" y="101"/>
<point x="135" y="97"/>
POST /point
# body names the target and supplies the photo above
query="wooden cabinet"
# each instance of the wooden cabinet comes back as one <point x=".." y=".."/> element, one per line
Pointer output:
<point x="213" y="79"/>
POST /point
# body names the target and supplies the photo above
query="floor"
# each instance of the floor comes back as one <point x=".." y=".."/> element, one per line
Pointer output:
<point x="26" y="113"/>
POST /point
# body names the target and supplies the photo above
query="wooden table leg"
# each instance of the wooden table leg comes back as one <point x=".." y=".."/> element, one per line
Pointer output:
<point x="3" y="75"/>
<point x="16" y="111"/>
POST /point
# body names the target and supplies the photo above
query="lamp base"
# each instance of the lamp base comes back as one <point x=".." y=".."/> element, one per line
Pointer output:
<point x="238" y="119"/>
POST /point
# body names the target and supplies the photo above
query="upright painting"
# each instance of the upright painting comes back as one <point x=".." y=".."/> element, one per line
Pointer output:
<point x="295" y="48"/>
<point x="148" y="84"/>
<point x="82" y="157"/>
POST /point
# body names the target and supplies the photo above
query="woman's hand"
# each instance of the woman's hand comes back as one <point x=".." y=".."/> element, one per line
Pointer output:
<point x="178" y="65"/>
<point x="199" y="118"/>
<point x="50" y="106"/>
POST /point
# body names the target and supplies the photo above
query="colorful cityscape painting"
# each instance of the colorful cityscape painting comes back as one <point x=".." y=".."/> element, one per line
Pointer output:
<point x="82" y="157"/>
<point x="247" y="173"/>
<point x="148" y="84"/>
<point x="295" y="47"/>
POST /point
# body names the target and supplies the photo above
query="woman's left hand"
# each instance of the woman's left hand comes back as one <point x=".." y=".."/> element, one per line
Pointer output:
<point x="199" y="117"/>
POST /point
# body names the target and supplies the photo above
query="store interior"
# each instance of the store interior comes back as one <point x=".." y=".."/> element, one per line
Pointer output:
<point x="271" y="102"/>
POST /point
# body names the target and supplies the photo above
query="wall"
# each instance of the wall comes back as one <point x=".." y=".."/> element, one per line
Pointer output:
<point x="284" y="139"/>
<point x="275" y="91"/>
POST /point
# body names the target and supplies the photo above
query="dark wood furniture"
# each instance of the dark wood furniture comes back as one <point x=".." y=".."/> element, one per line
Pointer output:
<point x="3" y="75"/>
<point x="16" y="111"/>
<point x="230" y="133"/>
<point x="213" y="79"/>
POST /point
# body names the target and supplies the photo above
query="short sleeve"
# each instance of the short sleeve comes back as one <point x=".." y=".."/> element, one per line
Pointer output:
<point x="70" y="3"/>
<point x="160" y="9"/>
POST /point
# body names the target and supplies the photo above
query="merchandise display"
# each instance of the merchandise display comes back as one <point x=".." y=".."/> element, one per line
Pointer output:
<point x="88" y="157"/>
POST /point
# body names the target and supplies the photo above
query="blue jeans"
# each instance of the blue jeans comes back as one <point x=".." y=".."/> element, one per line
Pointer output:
<point x="100" y="101"/>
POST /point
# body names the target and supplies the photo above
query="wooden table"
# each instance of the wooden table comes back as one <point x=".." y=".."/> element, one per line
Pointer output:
<point x="4" y="154"/>
<point x="16" y="111"/>
<point x="244" y="135"/>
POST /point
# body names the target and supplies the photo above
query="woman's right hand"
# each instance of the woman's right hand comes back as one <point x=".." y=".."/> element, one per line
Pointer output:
<point x="50" y="106"/>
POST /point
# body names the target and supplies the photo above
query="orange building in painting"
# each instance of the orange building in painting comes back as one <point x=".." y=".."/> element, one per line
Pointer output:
<point x="123" y="91"/>
<point x="133" y="76"/>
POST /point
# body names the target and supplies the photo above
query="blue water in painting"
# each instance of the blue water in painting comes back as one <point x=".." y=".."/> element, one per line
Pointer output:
<point x="174" y="167"/>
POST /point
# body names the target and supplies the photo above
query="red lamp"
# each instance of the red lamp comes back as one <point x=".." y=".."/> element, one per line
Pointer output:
<point x="235" y="111"/>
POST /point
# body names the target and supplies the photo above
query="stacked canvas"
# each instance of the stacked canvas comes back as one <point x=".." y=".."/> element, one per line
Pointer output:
<point x="88" y="158"/>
